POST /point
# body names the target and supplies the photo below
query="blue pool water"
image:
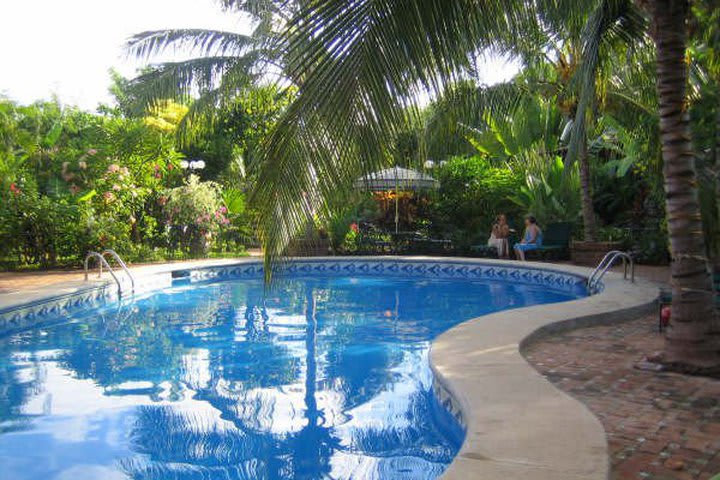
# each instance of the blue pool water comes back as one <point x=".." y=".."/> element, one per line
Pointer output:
<point x="319" y="378"/>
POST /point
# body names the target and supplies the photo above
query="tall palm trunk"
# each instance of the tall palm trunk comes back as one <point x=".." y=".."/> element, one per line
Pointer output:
<point x="715" y="251"/>
<point x="586" y="196"/>
<point x="691" y="343"/>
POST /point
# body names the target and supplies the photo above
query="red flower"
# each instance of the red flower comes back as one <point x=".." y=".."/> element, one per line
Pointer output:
<point x="354" y="227"/>
<point x="14" y="189"/>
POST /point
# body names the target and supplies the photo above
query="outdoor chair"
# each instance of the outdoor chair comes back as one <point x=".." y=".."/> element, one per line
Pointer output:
<point x="487" y="251"/>
<point x="556" y="242"/>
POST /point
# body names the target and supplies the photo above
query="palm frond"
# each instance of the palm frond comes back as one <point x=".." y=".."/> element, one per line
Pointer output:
<point x="202" y="42"/>
<point x="359" y="65"/>
<point x="613" y="22"/>
<point x="465" y="104"/>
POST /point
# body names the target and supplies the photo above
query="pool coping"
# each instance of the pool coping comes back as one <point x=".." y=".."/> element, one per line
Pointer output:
<point x="519" y="426"/>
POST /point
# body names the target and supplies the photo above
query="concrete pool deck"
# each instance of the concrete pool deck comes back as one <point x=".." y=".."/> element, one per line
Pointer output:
<point x="519" y="426"/>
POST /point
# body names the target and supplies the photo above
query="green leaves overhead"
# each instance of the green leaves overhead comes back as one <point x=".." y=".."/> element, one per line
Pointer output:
<point x="360" y="66"/>
<point x="612" y="24"/>
<point x="198" y="41"/>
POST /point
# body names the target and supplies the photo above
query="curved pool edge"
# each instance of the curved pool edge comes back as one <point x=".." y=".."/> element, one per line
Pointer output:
<point x="518" y="425"/>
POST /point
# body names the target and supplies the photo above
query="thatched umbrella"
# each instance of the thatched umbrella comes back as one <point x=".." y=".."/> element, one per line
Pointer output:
<point x="396" y="179"/>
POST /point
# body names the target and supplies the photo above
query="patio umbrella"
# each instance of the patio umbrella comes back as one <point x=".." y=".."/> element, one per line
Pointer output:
<point x="396" y="179"/>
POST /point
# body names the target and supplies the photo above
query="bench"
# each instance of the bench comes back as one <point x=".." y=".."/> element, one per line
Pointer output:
<point x="556" y="242"/>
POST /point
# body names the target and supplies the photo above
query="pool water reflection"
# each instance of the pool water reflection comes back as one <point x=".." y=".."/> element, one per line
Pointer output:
<point x="320" y="378"/>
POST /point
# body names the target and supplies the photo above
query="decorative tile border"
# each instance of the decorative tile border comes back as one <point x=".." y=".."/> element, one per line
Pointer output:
<point x="448" y="401"/>
<point x="441" y="269"/>
<point x="28" y="315"/>
<point x="31" y="314"/>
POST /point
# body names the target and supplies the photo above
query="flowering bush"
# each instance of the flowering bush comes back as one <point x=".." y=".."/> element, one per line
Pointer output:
<point x="72" y="181"/>
<point x="194" y="213"/>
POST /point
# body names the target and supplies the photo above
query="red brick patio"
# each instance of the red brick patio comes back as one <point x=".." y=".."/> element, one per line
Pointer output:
<point x="660" y="426"/>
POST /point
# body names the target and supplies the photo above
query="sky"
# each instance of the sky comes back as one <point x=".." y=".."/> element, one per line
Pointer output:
<point x="67" y="47"/>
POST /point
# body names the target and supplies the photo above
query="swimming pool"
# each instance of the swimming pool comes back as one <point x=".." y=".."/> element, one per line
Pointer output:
<point x="324" y="376"/>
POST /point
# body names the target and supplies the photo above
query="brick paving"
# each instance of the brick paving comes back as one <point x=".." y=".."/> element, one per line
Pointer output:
<point x="660" y="426"/>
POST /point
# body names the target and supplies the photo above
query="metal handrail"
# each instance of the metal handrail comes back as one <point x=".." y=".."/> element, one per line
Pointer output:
<point x="607" y="262"/>
<point x="101" y="262"/>
<point x="606" y="258"/>
<point x="122" y="264"/>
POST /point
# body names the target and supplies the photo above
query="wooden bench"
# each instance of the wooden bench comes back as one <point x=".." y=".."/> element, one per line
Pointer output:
<point x="556" y="242"/>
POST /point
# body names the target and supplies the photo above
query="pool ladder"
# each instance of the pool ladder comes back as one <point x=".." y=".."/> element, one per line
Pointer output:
<point x="608" y="260"/>
<point x="103" y="262"/>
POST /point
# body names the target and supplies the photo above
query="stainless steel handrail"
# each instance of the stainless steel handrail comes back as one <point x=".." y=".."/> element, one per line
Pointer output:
<point x="606" y="258"/>
<point x="122" y="264"/>
<point x="607" y="262"/>
<point x="101" y="262"/>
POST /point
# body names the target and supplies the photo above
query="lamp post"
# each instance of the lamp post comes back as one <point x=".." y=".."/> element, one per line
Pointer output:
<point x="191" y="166"/>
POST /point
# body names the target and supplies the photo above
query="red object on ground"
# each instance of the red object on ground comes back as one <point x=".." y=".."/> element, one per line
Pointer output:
<point x="665" y="314"/>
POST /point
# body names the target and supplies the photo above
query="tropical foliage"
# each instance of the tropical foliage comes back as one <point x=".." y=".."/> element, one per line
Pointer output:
<point x="321" y="93"/>
<point x="74" y="181"/>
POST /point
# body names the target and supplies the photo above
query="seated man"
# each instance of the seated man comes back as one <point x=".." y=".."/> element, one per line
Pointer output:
<point x="531" y="240"/>
<point x="499" y="236"/>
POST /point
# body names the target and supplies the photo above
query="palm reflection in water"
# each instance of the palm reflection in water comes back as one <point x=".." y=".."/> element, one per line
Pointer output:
<point x="319" y="378"/>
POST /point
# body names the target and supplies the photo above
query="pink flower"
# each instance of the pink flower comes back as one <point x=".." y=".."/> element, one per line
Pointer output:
<point x="223" y="209"/>
<point x="116" y="187"/>
<point x="108" y="196"/>
<point x="114" y="168"/>
<point x="92" y="151"/>
<point x="354" y="227"/>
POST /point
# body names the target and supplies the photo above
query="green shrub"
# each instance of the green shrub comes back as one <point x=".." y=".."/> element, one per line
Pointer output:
<point x="472" y="192"/>
<point x="551" y="192"/>
<point x="195" y="213"/>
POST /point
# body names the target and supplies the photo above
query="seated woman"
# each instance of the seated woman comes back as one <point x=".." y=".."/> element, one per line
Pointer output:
<point x="531" y="240"/>
<point x="499" y="236"/>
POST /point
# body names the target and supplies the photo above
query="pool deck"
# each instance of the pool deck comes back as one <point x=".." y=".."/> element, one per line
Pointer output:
<point x="519" y="426"/>
<point x="26" y="287"/>
<point x="660" y="425"/>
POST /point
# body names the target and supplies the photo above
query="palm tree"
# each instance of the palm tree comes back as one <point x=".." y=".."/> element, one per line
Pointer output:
<point x="358" y="67"/>
<point x="694" y="341"/>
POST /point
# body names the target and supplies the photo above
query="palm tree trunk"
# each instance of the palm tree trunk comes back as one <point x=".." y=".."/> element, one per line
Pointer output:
<point x="691" y="343"/>
<point x="716" y="171"/>
<point x="586" y="197"/>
